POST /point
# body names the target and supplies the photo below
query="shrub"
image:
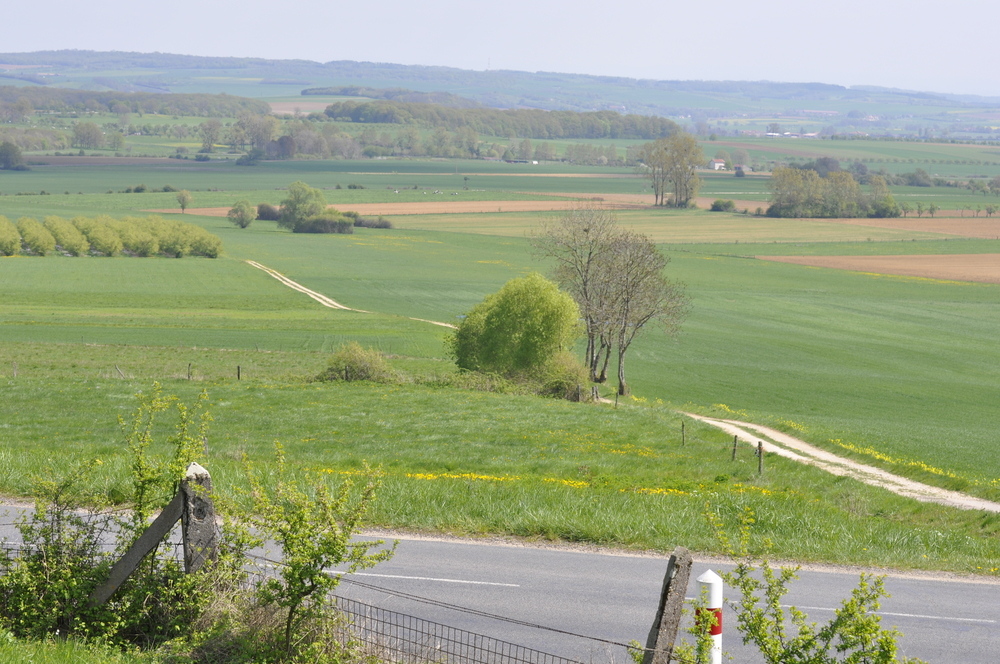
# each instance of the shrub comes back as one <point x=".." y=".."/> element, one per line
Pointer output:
<point x="268" y="212"/>
<point x="303" y="202"/>
<point x="36" y="237"/>
<point x="204" y="243"/>
<point x="324" y="223"/>
<point x="720" y="205"/>
<point x="103" y="238"/>
<point x="352" y="362"/>
<point x="67" y="236"/>
<point x="136" y="238"/>
<point x="565" y="377"/>
<point x="242" y="214"/>
<point x="368" y="222"/>
<point x="10" y="239"/>
<point x="518" y="329"/>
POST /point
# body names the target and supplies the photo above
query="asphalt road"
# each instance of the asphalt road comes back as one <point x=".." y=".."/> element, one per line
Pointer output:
<point x="586" y="603"/>
<point x="614" y="598"/>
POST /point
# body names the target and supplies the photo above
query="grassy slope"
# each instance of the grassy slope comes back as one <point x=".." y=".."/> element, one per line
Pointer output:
<point x="882" y="363"/>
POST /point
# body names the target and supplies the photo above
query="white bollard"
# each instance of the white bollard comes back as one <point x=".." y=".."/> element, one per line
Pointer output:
<point x="713" y="582"/>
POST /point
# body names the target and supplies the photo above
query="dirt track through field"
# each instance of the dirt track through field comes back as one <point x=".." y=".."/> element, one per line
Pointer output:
<point x="792" y="448"/>
<point x="323" y="299"/>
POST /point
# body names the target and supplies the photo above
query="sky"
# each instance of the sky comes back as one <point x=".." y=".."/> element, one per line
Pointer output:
<point x="912" y="44"/>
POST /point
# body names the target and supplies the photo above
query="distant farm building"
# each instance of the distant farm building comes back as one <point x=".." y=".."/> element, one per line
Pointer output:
<point x="717" y="164"/>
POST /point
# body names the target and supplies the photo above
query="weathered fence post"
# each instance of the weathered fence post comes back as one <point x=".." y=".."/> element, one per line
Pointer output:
<point x="760" y="457"/>
<point x="660" y="642"/>
<point x="201" y="539"/>
<point x="189" y="371"/>
<point x="238" y="371"/>
<point x="192" y="506"/>
<point x="735" y="441"/>
<point x="682" y="433"/>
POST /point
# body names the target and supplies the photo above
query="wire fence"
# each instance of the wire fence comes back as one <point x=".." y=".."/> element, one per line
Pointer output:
<point x="397" y="637"/>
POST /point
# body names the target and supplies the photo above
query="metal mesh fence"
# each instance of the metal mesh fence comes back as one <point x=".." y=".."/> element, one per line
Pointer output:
<point x="397" y="637"/>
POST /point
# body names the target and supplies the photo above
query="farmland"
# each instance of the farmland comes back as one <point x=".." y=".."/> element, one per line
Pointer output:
<point x="894" y="370"/>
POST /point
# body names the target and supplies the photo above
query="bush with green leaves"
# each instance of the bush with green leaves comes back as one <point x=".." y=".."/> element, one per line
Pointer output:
<point x="67" y="236"/>
<point x="518" y="329"/>
<point x="37" y="239"/>
<point x="353" y="362"/>
<point x="328" y="222"/>
<point x="45" y="590"/>
<point x="784" y="634"/>
<point x="136" y="238"/>
<point x="720" y="205"/>
<point x="101" y="234"/>
<point x="565" y="377"/>
<point x="268" y="212"/>
<point x="10" y="239"/>
<point x="314" y="529"/>
<point x="301" y="203"/>
<point x="242" y="214"/>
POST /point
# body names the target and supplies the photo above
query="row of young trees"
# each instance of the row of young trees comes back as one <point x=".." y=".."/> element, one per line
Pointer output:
<point x="105" y="236"/>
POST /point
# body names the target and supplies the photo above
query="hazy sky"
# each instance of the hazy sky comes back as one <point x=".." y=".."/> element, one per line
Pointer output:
<point x="912" y="44"/>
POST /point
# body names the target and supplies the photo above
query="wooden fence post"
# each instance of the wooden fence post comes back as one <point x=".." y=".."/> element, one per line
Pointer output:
<point x="735" y="441"/>
<point x="760" y="457"/>
<point x="192" y="506"/>
<point x="201" y="538"/>
<point x="682" y="433"/>
<point x="660" y="642"/>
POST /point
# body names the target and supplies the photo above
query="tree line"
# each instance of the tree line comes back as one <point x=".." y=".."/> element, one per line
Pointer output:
<point x="525" y="123"/>
<point x="21" y="101"/>
<point x="803" y="192"/>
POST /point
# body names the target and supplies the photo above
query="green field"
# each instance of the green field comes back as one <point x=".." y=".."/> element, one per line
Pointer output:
<point x="898" y="372"/>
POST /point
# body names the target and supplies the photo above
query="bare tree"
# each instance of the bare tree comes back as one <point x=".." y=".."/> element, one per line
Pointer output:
<point x="616" y="278"/>
<point x="641" y="295"/>
<point x="673" y="162"/>
<point x="578" y="242"/>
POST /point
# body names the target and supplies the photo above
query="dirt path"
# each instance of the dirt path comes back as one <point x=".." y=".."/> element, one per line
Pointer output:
<point x="789" y="447"/>
<point x="323" y="299"/>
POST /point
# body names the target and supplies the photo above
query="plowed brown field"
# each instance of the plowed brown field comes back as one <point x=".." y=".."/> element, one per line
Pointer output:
<point x="983" y="268"/>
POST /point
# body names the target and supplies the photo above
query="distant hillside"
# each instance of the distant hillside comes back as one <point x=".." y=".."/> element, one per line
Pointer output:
<point x="723" y="106"/>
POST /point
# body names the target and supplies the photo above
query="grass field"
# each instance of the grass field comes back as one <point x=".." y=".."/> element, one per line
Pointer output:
<point x="898" y="372"/>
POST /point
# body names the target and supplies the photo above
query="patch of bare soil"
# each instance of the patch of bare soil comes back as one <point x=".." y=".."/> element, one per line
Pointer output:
<point x="777" y="442"/>
<point x="984" y="268"/>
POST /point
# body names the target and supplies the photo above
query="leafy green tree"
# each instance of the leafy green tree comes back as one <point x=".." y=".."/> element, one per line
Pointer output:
<point x="301" y="203"/>
<point x="10" y="239"/>
<point x="87" y="135"/>
<point x="210" y="131"/>
<point x="518" y="329"/>
<point x="242" y="214"/>
<point x="10" y="156"/>
<point x="184" y="199"/>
